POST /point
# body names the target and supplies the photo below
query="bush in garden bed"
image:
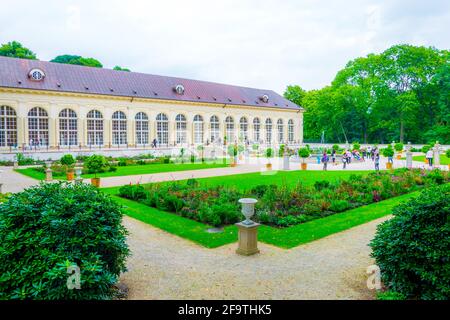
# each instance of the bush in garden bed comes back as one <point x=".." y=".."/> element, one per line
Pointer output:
<point x="47" y="228"/>
<point x="412" y="249"/>
<point x="280" y="205"/>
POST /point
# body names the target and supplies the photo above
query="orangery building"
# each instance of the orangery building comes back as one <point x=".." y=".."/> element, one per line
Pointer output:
<point x="58" y="106"/>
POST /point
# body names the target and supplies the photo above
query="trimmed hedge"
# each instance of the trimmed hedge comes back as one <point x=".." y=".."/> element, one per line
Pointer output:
<point x="413" y="248"/>
<point x="47" y="228"/>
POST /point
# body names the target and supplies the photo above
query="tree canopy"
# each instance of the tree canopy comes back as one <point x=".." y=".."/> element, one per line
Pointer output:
<point x="118" y="68"/>
<point x="78" y="60"/>
<point x="17" y="50"/>
<point x="401" y="94"/>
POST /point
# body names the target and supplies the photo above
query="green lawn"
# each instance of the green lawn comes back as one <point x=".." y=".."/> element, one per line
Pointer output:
<point x="133" y="170"/>
<point x="284" y="238"/>
<point x="249" y="180"/>
<point x="444" y="159"/>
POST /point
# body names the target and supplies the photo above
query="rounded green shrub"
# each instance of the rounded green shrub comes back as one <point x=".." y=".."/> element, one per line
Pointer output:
<point x="412" y="249"/>
<point x="398" y="146"/>
<point x="388" y="152"/>
<point x="48" y="228"/>
<point x="95" y="163"/>
<point x="303" y="153"/>
<point x="447" y="153"/>
<point x="356" y="146"/>
<point x="67" y="160"/>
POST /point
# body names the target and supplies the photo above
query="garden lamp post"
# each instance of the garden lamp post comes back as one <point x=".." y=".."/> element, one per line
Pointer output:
<point x="248" y="229"/>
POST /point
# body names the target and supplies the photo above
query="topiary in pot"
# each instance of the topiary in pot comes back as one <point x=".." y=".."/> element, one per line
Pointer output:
<point x="233" y="152"/>
<point x="412" y="249"/>
<point x="269" y="154"/>
<point x="48" y="228"/>
<point x="95" y="164"/>
<point x="389" y="153"/>
<point x="303" y="153"/>
<point x="68" y="161"/>
<point x="356" y="146"/>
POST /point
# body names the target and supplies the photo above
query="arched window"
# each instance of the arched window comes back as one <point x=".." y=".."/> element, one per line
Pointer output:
<point x="243" y="128"/>
<point x="8" y="127"/>
<point x="181" y="126"/>
<point x="256" y="130"/>
<point x="198" y="129"/>
<point x="280" y="129"/>
<point x="141" y="119"/>
<point x="119" y="128"/>
<point x="94" y="128"/>
<point x="68" y="128"/>
<point x="215" y="128"/>
<point x="268" y="131"/>
<point x="38" y="127"/>
<point x="291" y="130"/>
<point x="162" y="129"/>
<point x="229" y="129"/>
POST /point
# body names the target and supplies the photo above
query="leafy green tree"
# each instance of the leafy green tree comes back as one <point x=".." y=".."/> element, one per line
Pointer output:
<point x="17" y="50"/>
<point x="77" y="60"/>
<point x="295" y="94"/>
<point x="118" y="68"/>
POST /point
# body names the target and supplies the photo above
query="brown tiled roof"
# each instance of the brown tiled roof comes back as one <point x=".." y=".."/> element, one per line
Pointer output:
<point x="80" y="79"/>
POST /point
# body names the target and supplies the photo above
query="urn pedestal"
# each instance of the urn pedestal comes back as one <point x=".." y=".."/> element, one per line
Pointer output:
<point x="248" y="238"/>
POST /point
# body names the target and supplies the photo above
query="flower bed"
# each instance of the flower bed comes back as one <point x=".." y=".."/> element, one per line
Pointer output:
<point x="280" y="205"/>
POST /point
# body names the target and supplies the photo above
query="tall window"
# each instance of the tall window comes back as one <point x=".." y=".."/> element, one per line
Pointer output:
<point x="243" y="128"/>
<point x="181" y="126"/>
<point x="268" y="131"/>
<point x="291" y="130"/>
<point x="68" y="128"/>
<point x="215" y="128"/>
<point x="94" y="128"/>
<point x="38" y="127"/>
<point x="162" y="129"/>
<point x="256" y="130"/>
<point x="119" y="128"/>
<point x="229" y="129"/>
<point x="8" y="127"/>
<point x="198" y="129"/>
<point x="141" y="119"/>
<point x="280" y="129"/>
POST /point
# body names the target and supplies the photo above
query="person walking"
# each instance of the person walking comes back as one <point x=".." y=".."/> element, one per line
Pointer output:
<point x="344" y="160"/>
<point x="429" y="156"/>
<point x="377" y="162"/>
<point x="325" y="159"/>
<point x="333" y="157"/>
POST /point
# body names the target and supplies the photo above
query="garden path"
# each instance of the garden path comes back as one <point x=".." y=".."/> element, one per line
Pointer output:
<point x="164" y="266"/>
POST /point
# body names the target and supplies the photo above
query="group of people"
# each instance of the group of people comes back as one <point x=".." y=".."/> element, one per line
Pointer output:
<point x="347" y="156"/>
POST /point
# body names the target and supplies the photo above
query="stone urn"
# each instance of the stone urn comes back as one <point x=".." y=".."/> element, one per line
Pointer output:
<point x="248" y="209"/>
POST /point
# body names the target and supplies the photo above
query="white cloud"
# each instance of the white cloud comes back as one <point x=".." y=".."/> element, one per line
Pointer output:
<point x="267" y="44"/>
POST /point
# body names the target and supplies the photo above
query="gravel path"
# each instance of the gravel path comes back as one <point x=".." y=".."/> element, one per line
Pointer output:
<point x="164" y="266"/>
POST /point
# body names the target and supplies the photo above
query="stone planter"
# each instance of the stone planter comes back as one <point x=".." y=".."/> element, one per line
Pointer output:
<point x="95" y="182"/>
<point x="70" y="175"/>
<point x="304" y="166"/>
<point x="389" y="166"/>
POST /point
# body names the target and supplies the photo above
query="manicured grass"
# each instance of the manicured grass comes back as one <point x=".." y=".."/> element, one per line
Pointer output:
<point x="284" y="238"/>
<point x="444" y="159"/>
<point x="133" y="170"/>
<point x="247" y="181"/>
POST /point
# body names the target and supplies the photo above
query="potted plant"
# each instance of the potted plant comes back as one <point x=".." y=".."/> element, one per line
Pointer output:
<point x="303" y="153"/>
<point x="95" y="164"/>
<point x="68" y="161"/>
<point x="399" y="148"/>
<point x="269" y="154"/>
<point x="232" y="152"/>
<point x="389" y="153"/>
<point x="240" y="151"/>
<point x="447" y="153"/>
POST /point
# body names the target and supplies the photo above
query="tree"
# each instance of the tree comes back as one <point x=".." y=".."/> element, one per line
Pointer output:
<point x="77" y="60"/>
<point x="117" y="68"/>
<point x="17" y="50"/>
<point x="295" y="94"/>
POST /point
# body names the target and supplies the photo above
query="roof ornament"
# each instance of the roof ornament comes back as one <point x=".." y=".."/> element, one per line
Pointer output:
<point x="36" y="74"/>
<point x="265" y="98"/>
<point x="179" y="89"/>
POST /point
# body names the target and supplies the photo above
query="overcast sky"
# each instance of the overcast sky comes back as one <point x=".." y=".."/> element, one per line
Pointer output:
<point x="262" y="44"/>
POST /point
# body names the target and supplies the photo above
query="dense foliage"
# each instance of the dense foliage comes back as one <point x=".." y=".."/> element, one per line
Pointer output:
<point x="78" y="60"/>
<point x="17" y="50"/>
<point x="284" y="205"/>
<point x="47" y="228"/>
<point x="401" y="94"/>
<point x="412" y="249"/>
